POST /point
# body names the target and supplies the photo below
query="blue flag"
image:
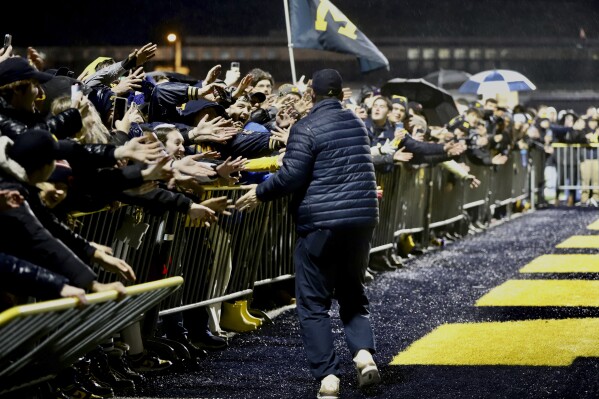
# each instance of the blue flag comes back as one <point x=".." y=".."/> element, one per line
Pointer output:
<point x="318" y="24"/>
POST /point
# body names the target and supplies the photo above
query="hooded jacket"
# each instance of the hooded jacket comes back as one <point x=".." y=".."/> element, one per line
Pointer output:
<point x="328" y="168"/>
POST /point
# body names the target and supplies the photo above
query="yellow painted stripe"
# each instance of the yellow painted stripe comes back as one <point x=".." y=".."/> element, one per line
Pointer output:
<point x="514" y="343"/>
<point x="543" y="293"/>
<point x="594" y="225"/>
<point x="566" y="263"/>
<point x="589" y="241"/>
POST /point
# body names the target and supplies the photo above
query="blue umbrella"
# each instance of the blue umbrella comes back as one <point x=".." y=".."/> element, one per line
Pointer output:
<point x="497" y="81"/>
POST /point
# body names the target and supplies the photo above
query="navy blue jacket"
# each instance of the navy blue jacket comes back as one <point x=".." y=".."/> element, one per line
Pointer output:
<point x="329" y="169"/>
<point x="20" y="277"/>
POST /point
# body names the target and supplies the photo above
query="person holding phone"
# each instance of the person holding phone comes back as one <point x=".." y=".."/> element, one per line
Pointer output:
<point x="119" y="109"/>
<point x="233" y="74"/>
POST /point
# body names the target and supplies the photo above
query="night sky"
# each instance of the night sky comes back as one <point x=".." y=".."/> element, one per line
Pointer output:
<point x="125" y="22"/>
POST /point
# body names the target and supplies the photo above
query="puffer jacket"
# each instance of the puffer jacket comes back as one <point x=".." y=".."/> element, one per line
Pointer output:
<point x="329" y="169"/>
<point x="14" y="122"/>
<point x="20" y="277"/>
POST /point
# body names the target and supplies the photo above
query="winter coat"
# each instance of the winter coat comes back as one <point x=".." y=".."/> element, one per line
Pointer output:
<point x="20" y="277"/>
<point x="14" y="122"/>
<point x="329" y="169"/>
<point x="30" y="232"/>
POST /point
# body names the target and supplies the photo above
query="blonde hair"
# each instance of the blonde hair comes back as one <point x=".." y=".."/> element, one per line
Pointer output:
<point x="93" y="131"/>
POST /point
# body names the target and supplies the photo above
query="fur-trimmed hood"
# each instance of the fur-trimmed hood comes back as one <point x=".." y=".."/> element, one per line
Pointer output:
<point x="9" y="166"/>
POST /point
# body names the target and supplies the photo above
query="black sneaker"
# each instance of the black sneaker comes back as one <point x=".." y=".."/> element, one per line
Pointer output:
<point x="194" y="351"/>
<point x="101" y="371"/>
<point x="84" y="377"/>
<point x="211" y="343"/>
<point x="147" y="362"/>
<point x="120" y="366"/>
<point x="76" y="391"/>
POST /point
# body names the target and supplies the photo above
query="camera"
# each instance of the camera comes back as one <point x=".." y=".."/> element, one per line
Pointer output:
<point x="235" y="66"/>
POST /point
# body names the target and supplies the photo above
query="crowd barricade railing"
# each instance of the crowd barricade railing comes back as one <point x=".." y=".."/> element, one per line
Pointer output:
<point x="276" y="260"/>
<point x="131" y="233"/>
<point x="413" y="200"/>
<point x="476" y="200"/>
<point x="521" y="178"/>
<point x="242" y="250"/>
<point x="576" y="165"/>
<point x="537" y="158"/>
<point x="447" y="198"/>
<point x="388" y="183"/>
<point x="501" y="185"/>
<point x="39" y="340"/>
<point x="219" y="262"/>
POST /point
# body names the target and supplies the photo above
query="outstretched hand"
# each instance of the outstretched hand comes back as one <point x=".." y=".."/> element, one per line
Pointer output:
<point x="212" y="74"/>
<point x="249" y="201"/>
<point x="148" y="51"/>
<point x="114" y="265"/>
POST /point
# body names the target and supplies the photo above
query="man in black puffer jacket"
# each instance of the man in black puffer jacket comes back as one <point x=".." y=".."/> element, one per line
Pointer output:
<point x="328" y="168"/>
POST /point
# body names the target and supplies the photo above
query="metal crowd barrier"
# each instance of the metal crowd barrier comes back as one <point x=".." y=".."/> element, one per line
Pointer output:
<point x="388" y="183"/>
<point x="39" y="340"/>
<point x="476" y="201"/>
<point x="413" y="202"/>
<point x="446" y="199"/>
<point x="501" y="184"/>
<point x="521" y="178"/>
<point x="219" y="262"/>
<point x="537" y="158"/>
<point x="243" y="250"/>
<point x="276" y="262"/>
<point x="577" y="166"/>
<point x="425" y="198"/>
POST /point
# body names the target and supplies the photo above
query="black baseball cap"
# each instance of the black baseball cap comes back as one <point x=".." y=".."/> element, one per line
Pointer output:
<point x="34" y="148"/>
<point x="17" y="68"/>
<point x="327" y="82"/>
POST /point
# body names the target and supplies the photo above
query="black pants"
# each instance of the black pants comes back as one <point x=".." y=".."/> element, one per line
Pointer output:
<point x="330" y="265"/>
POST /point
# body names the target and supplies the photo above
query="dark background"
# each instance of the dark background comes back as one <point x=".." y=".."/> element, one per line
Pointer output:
<point x="125" y="22"/>
<point x="540" y="39"/>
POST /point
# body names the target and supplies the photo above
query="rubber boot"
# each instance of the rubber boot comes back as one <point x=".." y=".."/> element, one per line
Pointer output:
<point x="232" y="318"/>
<point x="246" y="313"/>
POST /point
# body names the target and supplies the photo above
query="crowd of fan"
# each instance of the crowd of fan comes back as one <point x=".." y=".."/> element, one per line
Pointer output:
<point x="64" y="149"/>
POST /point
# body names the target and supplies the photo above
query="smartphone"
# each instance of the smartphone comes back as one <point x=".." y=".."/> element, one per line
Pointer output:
<point x="75" y="88"/>
<point x="119" y="109"/>
<point x="235" y="66"/>
<point x="7" y="40"/>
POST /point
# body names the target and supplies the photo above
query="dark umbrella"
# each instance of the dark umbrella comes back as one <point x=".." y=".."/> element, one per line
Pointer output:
<point x="448" y="79"/>
<point x="437" y="104"/>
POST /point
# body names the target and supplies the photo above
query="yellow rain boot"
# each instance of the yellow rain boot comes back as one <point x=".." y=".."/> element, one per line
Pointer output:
<point x="405" y="245"/>
<point x="232" y="318"/>
<point x="246" y="313"/>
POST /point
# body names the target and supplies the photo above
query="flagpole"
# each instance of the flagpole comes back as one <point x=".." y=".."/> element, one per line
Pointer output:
<point x="289" y="43"/>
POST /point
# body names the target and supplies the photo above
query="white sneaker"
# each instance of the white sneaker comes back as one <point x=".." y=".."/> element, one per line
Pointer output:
<point x="368" y="373"/>
<point x="329" y="387"/>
